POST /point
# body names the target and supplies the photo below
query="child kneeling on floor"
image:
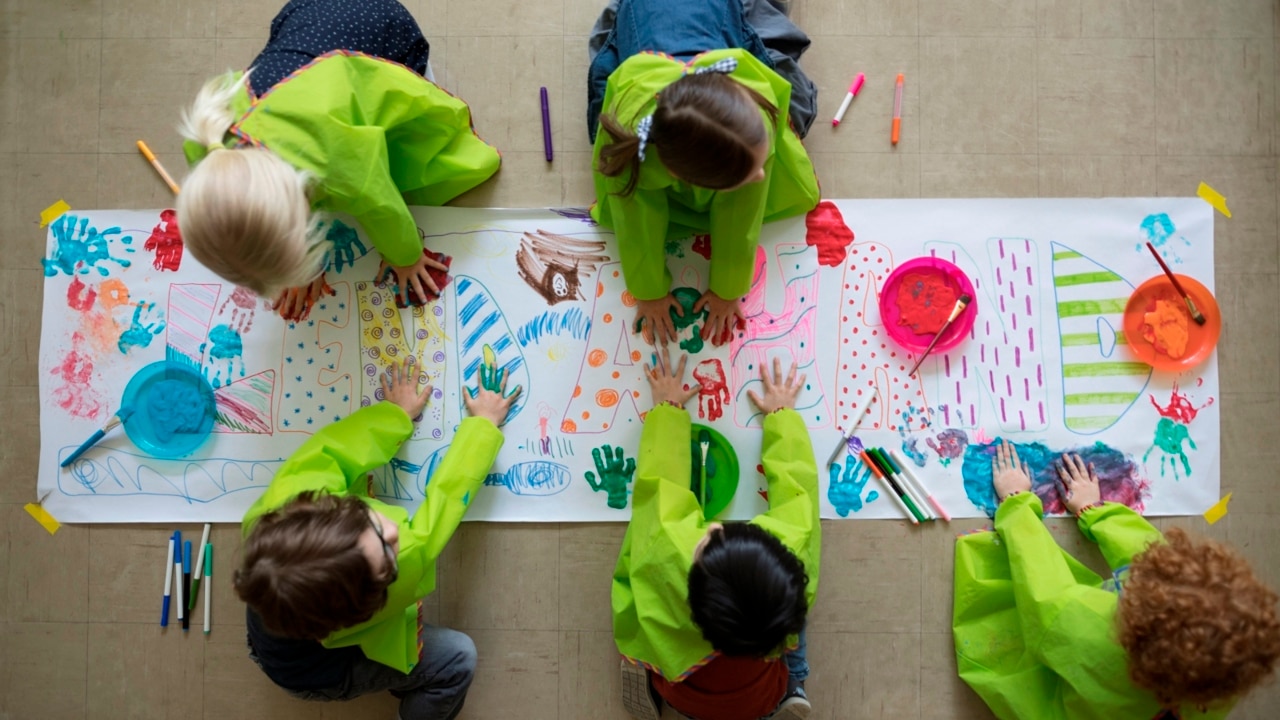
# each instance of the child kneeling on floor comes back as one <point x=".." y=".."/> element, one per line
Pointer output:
<point x="710" y="617"/>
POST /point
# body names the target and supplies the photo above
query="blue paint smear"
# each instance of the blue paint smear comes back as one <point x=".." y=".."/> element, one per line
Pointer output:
<point x="79" y="247"/>
<point x="844" y="492"/>
<point x="1117" y="474"/>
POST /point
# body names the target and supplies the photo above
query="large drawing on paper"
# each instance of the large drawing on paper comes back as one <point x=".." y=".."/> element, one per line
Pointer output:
<point x="540" y="294"/>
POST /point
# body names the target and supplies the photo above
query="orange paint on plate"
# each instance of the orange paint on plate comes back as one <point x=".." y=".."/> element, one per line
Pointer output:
<point x="1167" y="327"/>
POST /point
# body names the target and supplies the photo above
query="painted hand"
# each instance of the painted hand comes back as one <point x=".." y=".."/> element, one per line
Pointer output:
<point x="778" y="393"/>
<point x="653" y="318"/>
<point x="141" y="329"/>
<point x="846" y="486"/>
<point x="400" y="387"/>
<point x="1080" y="482"/>
<point x="1008" y="474"/>
<point x="723" y="317"/>
<point x="615" y="473"/>
<point x="488" y="401"/>
<point x="413" y="283"/>
<point x="666" y="384"/>
<point x="294" y="304"/>
<point x="246" y="305"/>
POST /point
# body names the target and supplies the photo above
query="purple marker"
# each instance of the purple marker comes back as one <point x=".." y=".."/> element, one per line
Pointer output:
<point x="546" y="125"/>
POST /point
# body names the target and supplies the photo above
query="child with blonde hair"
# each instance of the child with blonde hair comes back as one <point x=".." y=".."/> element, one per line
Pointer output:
<point x="695" y="99"/>
<point x="336" y="114"/>
<point x="1181" y="629"/>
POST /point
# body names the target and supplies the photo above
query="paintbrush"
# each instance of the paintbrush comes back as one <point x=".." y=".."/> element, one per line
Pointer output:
<point x="961" y="304"/>
<point x="121" y="415"/>
<point x="704" y="443"/>
<point x="1191" y="305"/>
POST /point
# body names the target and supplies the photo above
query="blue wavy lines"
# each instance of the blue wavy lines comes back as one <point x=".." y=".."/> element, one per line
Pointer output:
<point x="572" y="321"/>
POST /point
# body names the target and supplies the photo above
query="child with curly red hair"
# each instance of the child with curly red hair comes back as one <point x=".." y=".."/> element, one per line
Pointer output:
<point x="1182" y="629"/>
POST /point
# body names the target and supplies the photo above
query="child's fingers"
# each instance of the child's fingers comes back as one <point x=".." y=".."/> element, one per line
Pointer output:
<point x="791" y="375"/>
<point x="688" y="395"/>
<point x="430" y="261"/>
<point x="425" y="396"/>
<point x="755" y="398"/>
<point x="684" y="360"/>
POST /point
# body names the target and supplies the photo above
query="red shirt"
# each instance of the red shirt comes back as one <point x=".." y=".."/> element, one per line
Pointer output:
<point x="727" y="688"/>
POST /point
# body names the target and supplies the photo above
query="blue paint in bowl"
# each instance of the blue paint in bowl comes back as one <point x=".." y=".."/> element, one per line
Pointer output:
<point x="172" y="409"/>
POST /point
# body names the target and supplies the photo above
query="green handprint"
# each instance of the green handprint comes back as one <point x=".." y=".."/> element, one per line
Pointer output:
<point x="615" y="474"/>
<point x="491" y="378"/>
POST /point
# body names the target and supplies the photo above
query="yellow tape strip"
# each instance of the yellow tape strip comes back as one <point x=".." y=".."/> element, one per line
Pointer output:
<point x="52" y="212"/>
<point x="1218" y="511"/>
<point x="1214" y="198"/>
<point x="43" y="517"/>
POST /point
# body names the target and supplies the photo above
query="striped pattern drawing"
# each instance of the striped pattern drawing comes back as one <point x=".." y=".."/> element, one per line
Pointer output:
<point x="191" y="309"/>
<point x="1099" y="384"/>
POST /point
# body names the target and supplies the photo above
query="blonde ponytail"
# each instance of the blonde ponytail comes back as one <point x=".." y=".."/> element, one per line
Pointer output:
<point x="209" y="117"/>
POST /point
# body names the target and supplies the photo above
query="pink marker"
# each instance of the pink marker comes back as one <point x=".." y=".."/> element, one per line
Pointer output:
<point x="853" y="91"/>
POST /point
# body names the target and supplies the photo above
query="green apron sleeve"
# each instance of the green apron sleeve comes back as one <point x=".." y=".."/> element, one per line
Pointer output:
<point x="358" y="182"/>
<point x="1120" y="532"/>
<point x="662" y="492"/>
<point x="640" y="225"/>
<point x="792" y="475"/>
<point x="340" y="454"/>
<point x="1043" y="580"/>
<point x="453" y="485"/>
<point x="736" y="218"/>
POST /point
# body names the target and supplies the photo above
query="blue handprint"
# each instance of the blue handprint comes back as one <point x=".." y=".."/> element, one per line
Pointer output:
<point x="225" y="350"/>
<point x="79" y="247"/>
<point x="142" y="330"/>
<point x="845" y="490"/>
<point x="346" y="245"/>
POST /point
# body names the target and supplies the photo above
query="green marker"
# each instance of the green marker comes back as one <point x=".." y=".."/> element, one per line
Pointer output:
<point x="208" y="584"/>
<point x="878" y="458"/>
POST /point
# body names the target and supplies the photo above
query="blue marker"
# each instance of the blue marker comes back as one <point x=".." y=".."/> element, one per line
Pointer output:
<point x="186" y="582"/>
<point x="168" y="579"/>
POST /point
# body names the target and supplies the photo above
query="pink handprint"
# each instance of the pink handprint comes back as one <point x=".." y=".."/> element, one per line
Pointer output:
<point x="714" y="390"/>
<point x="246" y="304"/>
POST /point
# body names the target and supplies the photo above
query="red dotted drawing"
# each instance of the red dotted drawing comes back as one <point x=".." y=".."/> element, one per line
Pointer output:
<point x="166" y="242"/>
<point x="611" y="367"/>
<point x="825" y="229"/>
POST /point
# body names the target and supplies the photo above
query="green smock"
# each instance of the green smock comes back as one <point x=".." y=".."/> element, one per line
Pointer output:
<point x="337" y="460"/>
<point x="663" y="208"/>
<point x="652" y="621"/>
<point x="1035" y="630"/>
<point x="376" y="136"/>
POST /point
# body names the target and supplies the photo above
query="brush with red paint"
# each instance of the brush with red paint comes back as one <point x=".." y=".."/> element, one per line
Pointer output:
<point x="960" y="305"/>
<point x="1191" y="305"/>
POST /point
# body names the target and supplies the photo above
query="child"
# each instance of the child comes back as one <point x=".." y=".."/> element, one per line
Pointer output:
<point x="335" y="114"/>
<point x="333" y="577"/>
<point x="696" y="139"/>
<point x="703" y="610"/>
<point x="1181" y="630"/>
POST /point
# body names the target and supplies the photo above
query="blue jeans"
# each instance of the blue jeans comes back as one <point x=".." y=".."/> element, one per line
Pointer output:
<point x="797" y="664"/>
<point x="433" y="690"/>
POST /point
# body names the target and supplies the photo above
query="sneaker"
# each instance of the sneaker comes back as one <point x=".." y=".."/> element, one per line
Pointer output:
<point x="795" y="706"/>
<point x="637" y="695"/>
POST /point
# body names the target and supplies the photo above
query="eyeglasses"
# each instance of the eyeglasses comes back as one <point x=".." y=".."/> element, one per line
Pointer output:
<point x="392" y="566"/>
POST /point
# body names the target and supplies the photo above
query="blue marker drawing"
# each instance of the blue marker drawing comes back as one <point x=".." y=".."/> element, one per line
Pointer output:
<point x="115" y="472"/>
<point x="225" y="351"/>
<point x="845" y="490"/>
<point x="346" y="246"/>
<point x="572" y="321"/>
<point x="141" y="330"/>
<point x="535" y="477"/>
<point x="396" y="480"/>
<point x="79" y="247"/>
<point x="574" y="213"/>
<point x="480" y="323"/>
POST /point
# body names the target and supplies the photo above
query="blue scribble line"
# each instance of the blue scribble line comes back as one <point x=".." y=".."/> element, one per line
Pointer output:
<point x="573" y="321"/>
<point x="535" y="477"/>
<point x="201" y="480"/>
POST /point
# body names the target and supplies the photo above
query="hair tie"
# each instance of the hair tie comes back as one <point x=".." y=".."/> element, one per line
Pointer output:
<point x="642" y="134"/>
<point x="214" y="146"/>
<point x="723" y="66"/>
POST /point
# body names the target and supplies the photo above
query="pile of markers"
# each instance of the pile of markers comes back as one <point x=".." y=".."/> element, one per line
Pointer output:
<point x="903" y="485"/>
<point x="185" y="584"/>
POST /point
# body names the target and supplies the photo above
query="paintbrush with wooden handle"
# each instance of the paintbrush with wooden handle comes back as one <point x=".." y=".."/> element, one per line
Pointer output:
<point x="1191" y="305"/>
<point x="961" y="304"/>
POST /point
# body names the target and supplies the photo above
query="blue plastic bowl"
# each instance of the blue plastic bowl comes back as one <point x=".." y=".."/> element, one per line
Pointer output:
<point x="170" y="409"/>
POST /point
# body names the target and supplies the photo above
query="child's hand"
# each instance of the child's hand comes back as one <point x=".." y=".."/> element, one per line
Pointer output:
<point x="400" y="386"/>
<point x="415" y="277"/>
<point x="723" y="317"/>
<point x="1008" y="474"/>
<point x="778" y="393"/>
<point x="654" y="316"/>
<point x="667" y="385"/>
<point x="1081" y="483"/>
<point x="487" y="401"/>
<point x="294" y="304"/>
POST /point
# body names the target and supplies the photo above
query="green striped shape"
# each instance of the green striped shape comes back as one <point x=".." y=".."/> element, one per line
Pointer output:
<point x="1086" y="339"/>
<point x="1086" y="278"/>
<point x="1066" y="255"/>
<point x="1091" y="422"/>
<point x="1104" y="369"/>
<point x="1076" y="308"/>
<point x="1101" y="398"/>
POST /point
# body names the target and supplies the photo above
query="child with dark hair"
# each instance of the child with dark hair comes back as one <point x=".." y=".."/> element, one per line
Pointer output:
<point x="700" y="136"/>
<point x="1182" y="629"/>
<point x="710" y="617"/>
<point x="333" y="578"/>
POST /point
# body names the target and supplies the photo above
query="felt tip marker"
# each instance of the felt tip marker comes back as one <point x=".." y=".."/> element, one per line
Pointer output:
<point x="195" y="576"/>
<point x="186" y="580"/>
<point x="853" y="92"/>
<point x="207" y="559"/>
<point x="888" y="486"/>
<point x="878" y="460"/>
<point x="895" y="472"/>
<point x="177" y="574"/>
<point x="897" y="110"/>
<point x="911" y="474"/>
<point x="168" y="580"/>
<point x="546" y="125"/>
<point x="854" y="421"/>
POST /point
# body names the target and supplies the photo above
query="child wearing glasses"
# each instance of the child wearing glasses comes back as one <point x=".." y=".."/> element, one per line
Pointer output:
<point x="333" y="577"/>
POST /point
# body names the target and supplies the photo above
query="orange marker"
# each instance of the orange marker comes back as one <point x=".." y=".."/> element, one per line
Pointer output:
<point x="897" y="110"/>
<point x="151" y="158"/>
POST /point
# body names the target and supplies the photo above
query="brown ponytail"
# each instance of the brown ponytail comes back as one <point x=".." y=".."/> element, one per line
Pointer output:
<point x="622" y="153"/>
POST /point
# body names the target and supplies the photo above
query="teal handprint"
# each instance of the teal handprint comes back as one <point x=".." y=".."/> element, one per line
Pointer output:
<point x="845" y="490"/>
<point x="615" y="473"/>
<point x="141" y="329"/>
<point x="346" y="245"/>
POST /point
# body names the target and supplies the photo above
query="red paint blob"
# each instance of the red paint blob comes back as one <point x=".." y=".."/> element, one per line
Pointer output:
<point x="826" y="230"/>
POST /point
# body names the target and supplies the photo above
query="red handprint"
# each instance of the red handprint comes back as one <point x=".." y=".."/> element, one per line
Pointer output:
<point x="246" y="304"/>
<point x="714" y="390"/>
<point x="76" y="394"/>
<point x="166" y="242"/>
